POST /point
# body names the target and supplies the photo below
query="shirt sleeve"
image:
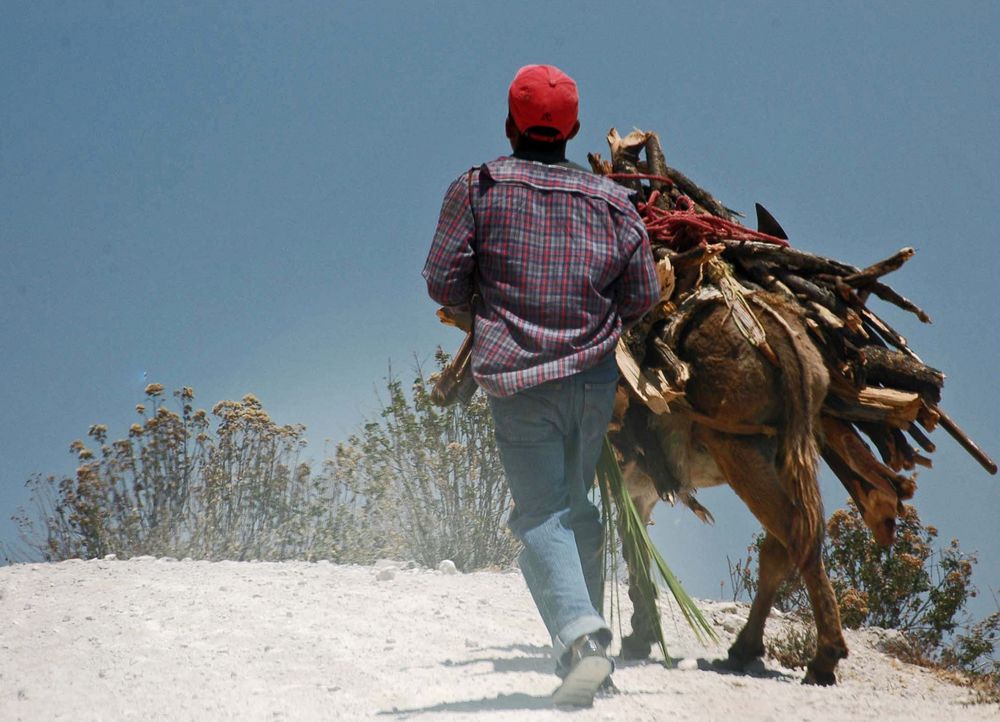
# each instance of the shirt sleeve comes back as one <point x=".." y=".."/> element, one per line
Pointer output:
<point x="451" y="261"/>
<point x="638" y="288"/>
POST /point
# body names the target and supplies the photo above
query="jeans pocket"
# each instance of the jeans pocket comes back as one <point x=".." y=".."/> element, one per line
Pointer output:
<point x="523" y="418"/>
<point x="598" y="405"/>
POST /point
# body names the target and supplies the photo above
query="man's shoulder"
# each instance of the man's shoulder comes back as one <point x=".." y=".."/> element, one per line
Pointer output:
<point x="568" y="177"/>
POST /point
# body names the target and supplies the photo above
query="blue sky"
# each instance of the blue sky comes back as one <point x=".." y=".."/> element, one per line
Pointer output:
<point x="239" y="197"/>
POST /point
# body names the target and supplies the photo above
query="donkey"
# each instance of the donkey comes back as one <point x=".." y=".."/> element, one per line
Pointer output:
<point x="753" y="424"/>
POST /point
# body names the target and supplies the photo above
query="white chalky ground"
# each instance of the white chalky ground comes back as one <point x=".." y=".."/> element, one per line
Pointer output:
<point x="155" y="639"/>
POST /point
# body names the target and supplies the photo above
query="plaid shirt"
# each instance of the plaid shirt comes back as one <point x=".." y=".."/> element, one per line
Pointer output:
<point x="561" y="262"/>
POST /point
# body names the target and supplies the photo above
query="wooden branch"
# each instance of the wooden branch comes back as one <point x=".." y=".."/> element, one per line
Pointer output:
<point x="877" y="506"/>
<point x="877" y="270"/>
<point x="845" y="442"/>
<point x="828" y="318"/>
<point x="886" y="332"/>
<point x="928" y="417"/>
<point x="650" y="387"/>
<point x="694" y="256"/>
<point x="887" y="406"/>
<point x="921" y="438"/>
<point x="968" y="444"/>
<point x="663" y="358"/>
<point x="880" y="435"/>
<point x="625" y="156"/>
<point x="656" y="162"/>
<point x="811" y="291"/>
<point x="787" y="257"/>
<point x="698" y="194"/>
<point x="896" y="369"/>
<point x="598" y="164"/>
<point x="890" y="296"/>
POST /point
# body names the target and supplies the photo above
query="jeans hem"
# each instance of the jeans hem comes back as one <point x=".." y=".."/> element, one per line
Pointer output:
<point x="574" y="630"/>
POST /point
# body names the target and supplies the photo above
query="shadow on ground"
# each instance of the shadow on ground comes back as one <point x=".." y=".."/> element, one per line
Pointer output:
<point x="538" y="659"/>
<point x="532" y="658"/>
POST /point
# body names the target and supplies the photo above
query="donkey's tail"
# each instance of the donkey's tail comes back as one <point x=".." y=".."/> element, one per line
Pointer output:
<point x="804" y="381"/>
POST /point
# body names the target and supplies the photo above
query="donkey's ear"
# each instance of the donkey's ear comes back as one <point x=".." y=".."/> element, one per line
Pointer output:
<point x="766" y="223"/>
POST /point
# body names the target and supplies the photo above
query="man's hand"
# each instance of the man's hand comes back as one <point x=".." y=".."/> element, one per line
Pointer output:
<point x="458" y="316"/>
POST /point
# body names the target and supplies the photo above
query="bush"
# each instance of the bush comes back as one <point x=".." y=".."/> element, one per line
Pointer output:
<point x="419" y="483"/>
<point x="175" y="487"/>
<point x="436" y="474"/>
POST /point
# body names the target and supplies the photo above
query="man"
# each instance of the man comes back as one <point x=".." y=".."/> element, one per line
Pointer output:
<point x="560" y="265"/>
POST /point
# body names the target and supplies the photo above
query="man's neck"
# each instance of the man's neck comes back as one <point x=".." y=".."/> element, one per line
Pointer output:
<point x="528" y="149"/>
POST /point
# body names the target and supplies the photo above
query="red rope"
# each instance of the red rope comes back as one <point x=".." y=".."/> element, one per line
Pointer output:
<point x="682" y="228"/>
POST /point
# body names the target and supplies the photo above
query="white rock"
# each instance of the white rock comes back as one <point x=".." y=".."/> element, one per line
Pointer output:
<point x="732" y="623"/>
<point x="447" y="567"/>
<point x="687" y="664"/>
<point x="386" y="574"/>
<point x="110" y="557"/>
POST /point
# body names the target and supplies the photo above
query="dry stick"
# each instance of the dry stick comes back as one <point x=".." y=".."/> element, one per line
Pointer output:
<point x="787" y="257"/>
<point x="657" y="164"/>
<point x="897" y="370"/>
<point x="760" y="274"/>
<point x="882" y="406"/>
<point x="599" y="165"/>
<point x="625" y="157"/>
<point x="864" y="494"/>
<point x="884" y="442"/>
<point x="968" y="444"/>
<point x="811" y="291"/>
<point x="921" y="438"/>
<point x="677" y="372"/>
<point x="886" y="332"/>
<point x="890" y="296"/>
<point x="877" y="270"/>
<point x="928" y="417"/>
<point x="694" y="256"/>
<point x="698" y="194"/>
<point x="908" y="455"/>
<point x="844" y="440"/>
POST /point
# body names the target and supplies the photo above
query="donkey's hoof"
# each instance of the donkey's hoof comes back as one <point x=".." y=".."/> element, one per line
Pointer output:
<point x="753" y="666"/>
<point x="741" y="655"/>
<point x="818" y="677"/>
<point x="633" y="648"/>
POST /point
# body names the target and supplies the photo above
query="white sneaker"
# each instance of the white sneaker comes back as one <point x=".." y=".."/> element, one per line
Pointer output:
<point x="589" y="667"/>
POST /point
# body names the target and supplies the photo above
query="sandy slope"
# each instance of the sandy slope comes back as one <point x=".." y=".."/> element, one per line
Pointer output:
<point x="161" y="639"/>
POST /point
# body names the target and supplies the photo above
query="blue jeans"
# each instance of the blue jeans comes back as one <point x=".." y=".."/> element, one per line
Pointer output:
<point x="550" y="438"/>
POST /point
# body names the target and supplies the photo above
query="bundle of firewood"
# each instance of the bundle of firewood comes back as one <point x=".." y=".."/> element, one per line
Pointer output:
<point x="880" y="390"/>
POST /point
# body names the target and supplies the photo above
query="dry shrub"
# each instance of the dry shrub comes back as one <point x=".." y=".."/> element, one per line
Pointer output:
<point x="435" y="477"/>
<point x="418" y="483"/>
<point x="794" y="647"/>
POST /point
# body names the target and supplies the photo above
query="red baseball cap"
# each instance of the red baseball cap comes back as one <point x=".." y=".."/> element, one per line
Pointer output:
<point x="543" y="95"/>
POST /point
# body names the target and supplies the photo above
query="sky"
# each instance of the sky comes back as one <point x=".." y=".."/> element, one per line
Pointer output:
<point x="239" y="197"/>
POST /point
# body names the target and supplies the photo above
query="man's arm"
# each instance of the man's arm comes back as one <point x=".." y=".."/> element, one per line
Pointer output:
<point x="638" y="288"/>
<point x="451" y="262"/>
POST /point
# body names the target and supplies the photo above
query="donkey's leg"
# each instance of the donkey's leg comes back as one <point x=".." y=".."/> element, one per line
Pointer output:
<point x="747" y="462"/>
<point x="830" y="644"/>
<point x="638" y="644"/>
<point x="645" y="618"/>
<point x="774" y="568"/>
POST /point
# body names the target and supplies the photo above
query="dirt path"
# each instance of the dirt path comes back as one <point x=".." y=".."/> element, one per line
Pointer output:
<point x="159" y="639"/>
